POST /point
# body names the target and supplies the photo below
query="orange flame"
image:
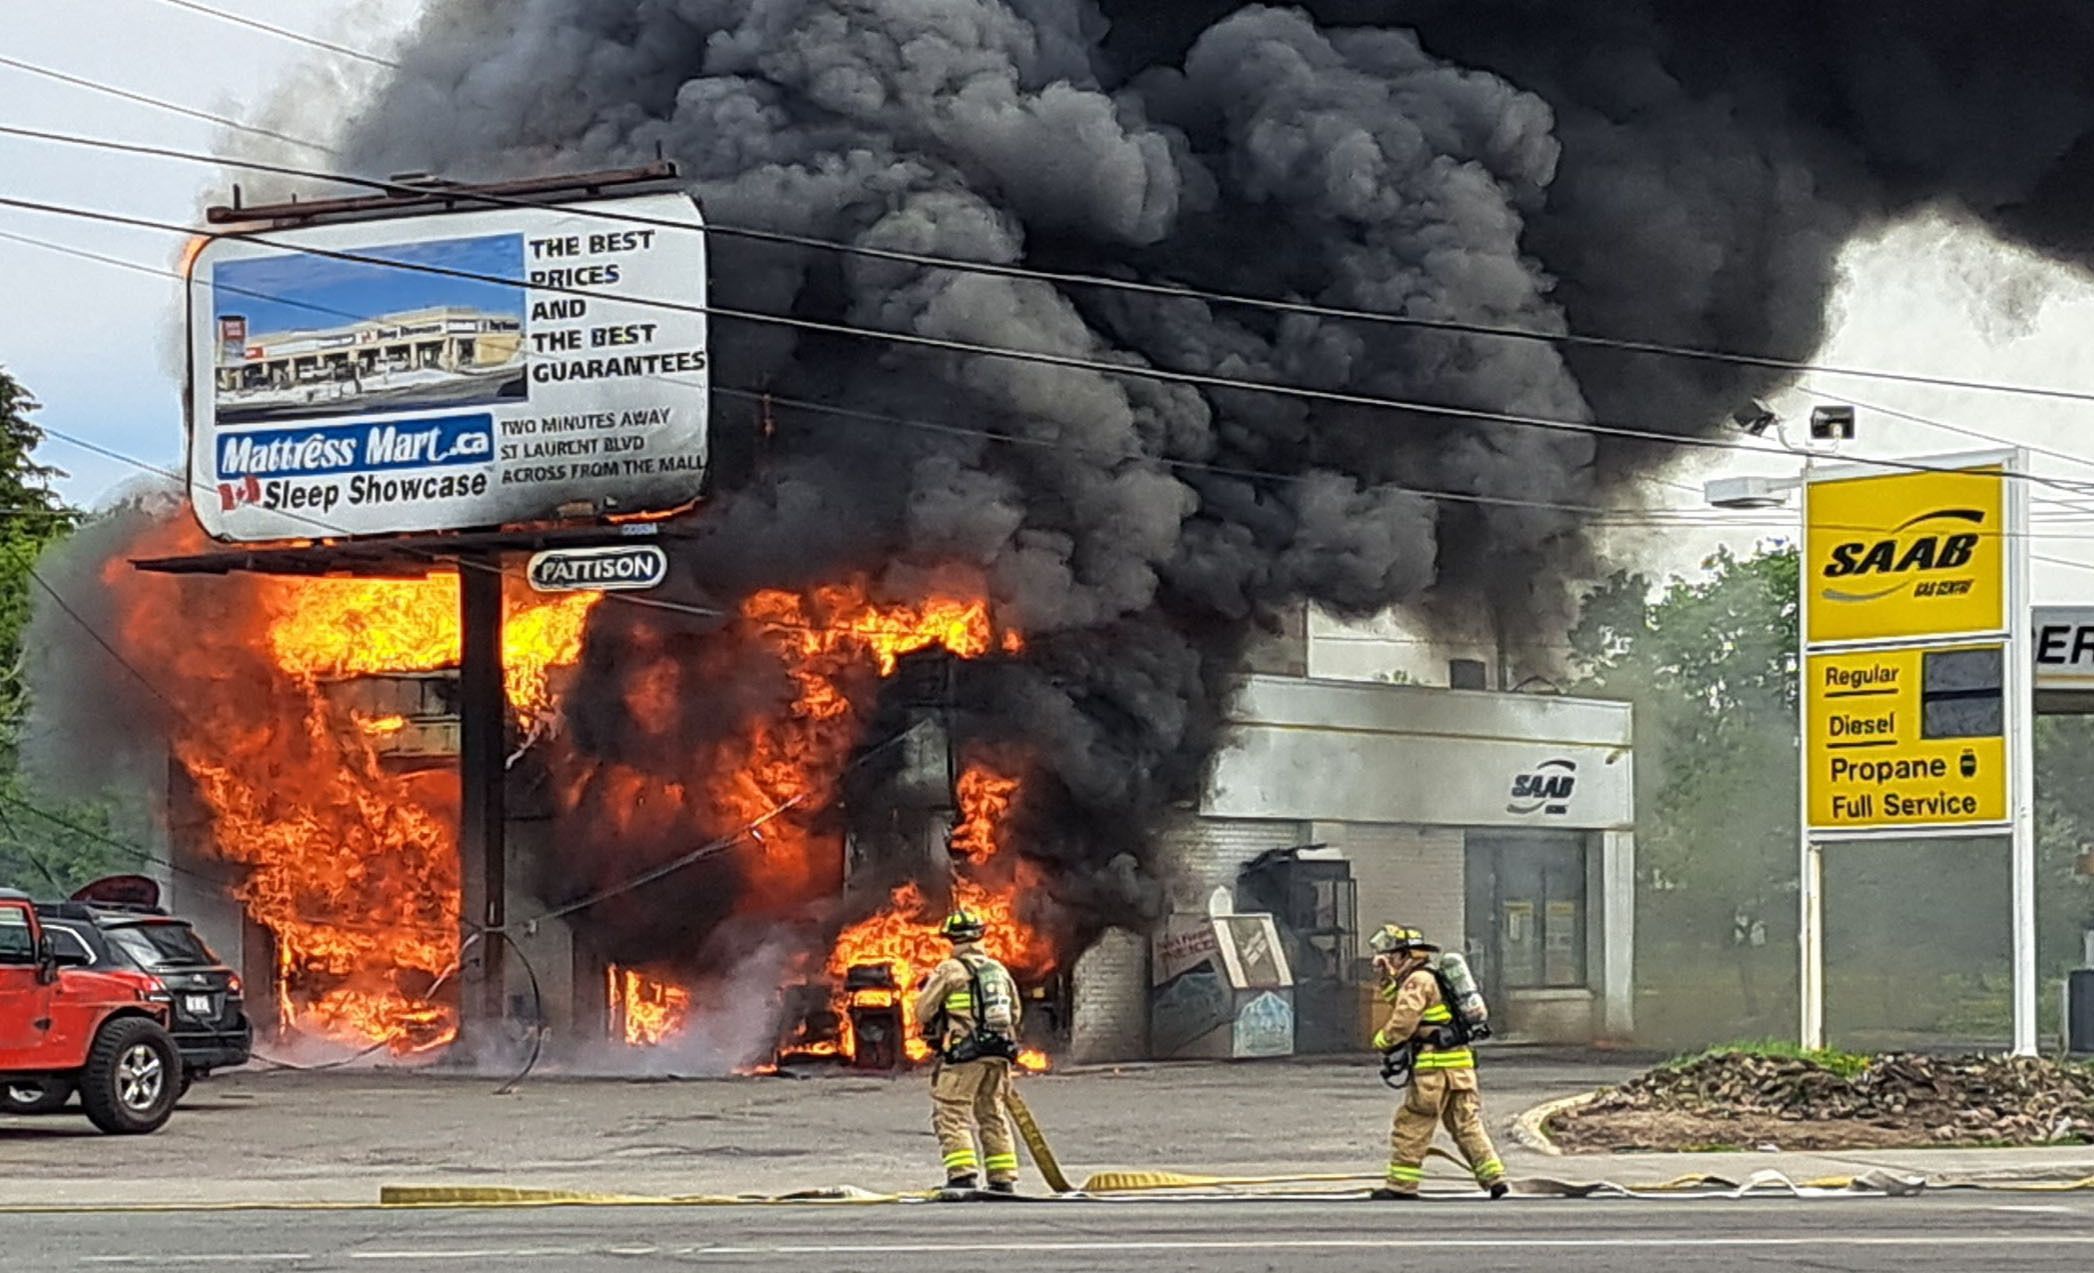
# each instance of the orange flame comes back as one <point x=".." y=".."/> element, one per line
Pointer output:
<point x="349" y="862"/>
<point x="904" y="935"/>
<point x="646" y="1012"/>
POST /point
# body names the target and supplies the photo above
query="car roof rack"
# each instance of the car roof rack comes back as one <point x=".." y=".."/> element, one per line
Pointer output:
<point x="94" y="910"/>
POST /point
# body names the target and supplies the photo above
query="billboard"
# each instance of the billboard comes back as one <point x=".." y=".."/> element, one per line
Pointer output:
<point x="1906" y="555"/>
<point x="448" y="371"/>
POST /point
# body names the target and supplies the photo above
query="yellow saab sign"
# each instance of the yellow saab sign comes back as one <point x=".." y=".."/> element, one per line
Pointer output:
<point x="1906" y="738"/>
<point x="1907" y="555"/>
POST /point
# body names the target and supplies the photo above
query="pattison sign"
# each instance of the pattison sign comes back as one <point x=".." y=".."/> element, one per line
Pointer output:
<point x="1907" y="555"/>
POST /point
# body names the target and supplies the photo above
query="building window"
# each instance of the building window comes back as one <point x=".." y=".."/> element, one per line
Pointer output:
<point x="1526" y="909"/>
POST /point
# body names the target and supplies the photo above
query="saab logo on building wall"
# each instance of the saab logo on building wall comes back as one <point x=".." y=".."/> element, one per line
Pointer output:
<point x="1544" y="789"/>
<point x="1907" y="555"/>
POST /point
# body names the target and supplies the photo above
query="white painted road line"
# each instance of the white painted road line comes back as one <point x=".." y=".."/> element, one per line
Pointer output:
<point x="2001" y="1240"/>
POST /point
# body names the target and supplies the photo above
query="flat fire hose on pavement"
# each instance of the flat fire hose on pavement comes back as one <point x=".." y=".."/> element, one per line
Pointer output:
<point x="1036" y="1142"/>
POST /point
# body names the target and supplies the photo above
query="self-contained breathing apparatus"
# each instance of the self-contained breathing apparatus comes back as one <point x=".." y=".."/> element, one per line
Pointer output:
<point x="1470" y="1016"/>
<point x="994" y="1020"/>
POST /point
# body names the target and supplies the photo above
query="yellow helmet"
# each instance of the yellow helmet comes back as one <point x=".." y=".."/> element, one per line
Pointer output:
<point x="1391" y="938"/>
<point x="962" y="925"/>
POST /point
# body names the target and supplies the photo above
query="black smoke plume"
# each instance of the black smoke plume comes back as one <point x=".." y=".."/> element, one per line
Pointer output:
<point x="1676" y="171"/>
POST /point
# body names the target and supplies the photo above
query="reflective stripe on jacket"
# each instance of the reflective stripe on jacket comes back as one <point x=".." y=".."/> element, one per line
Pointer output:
<point x="1417" y="1009"/>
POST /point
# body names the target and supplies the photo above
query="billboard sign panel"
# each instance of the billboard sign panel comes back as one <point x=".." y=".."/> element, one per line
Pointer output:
<point x="1907" y="555"/>
<point x="1909" y="737"/>
<point x="451" y="370"/>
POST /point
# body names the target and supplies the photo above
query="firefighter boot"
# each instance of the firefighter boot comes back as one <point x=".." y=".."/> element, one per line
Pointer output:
<point x="1386" y="1194"/>
<point x="1003" y="1186"/>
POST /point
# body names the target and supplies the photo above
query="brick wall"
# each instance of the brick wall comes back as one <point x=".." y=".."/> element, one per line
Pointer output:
<point x="1404" y="875"/>
<point x="1109" y="1000"/>
<point x="1202" y="854"/>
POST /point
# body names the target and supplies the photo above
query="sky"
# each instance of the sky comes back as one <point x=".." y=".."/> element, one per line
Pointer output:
<point x="99" y="344"/>
<point x="292" y="291"/>
<point x="96" y="343"/>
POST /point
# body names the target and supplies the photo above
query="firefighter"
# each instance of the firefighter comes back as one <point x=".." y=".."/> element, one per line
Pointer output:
<point x="970" y="1007"/>
<point x="1443" y="1069"/>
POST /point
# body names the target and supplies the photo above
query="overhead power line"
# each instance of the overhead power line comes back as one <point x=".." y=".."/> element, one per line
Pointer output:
<point x="1619" y="516"/>
<point x="96" y="86"/>
<point x="285" y="33"/>
<point x="1103" y="367"/>
<point x="1066" y="278"/>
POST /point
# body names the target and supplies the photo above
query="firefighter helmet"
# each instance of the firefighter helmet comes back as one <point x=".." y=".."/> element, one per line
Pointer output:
<point x="962" y="925"/>
<point x="1392" y="938"/>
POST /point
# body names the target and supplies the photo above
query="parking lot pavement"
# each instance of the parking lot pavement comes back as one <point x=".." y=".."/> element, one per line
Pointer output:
<point x="339" y="1135"/>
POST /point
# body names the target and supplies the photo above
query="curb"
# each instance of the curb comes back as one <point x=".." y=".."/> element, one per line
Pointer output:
<point x="1529" y="1130"/>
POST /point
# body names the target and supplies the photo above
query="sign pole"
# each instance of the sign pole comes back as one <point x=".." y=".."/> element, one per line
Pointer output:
<point x="2018" y="683"/>
<point x="1810" y="946"/>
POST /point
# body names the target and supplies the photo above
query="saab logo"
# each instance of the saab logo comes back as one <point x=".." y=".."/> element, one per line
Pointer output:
<point x="1546" y="789"/>
<point x="625" y="568"/>
<point x="1895" y="564"/>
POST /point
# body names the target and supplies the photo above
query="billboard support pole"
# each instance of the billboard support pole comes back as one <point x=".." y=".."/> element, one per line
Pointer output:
<point x="482" y="852"/>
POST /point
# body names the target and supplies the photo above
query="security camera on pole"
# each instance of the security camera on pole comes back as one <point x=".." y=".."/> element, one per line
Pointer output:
<point x="1917" y="711"/>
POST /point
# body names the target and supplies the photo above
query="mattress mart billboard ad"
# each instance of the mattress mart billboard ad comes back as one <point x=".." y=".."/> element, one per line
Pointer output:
<point x="448" y="371"/>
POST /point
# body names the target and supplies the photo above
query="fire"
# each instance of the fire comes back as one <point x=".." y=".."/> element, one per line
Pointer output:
<point x="904" y="934"/>
<point x="646" y="1012"/>
<point x="326" y="629"/>
<point x="350" y="862"/>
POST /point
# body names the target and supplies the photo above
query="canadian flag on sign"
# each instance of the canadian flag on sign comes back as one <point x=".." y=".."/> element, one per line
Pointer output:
<point x="231" y="496"/>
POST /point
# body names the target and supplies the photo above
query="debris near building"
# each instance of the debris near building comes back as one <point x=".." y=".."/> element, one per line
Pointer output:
<point x="1824" y="1101"/>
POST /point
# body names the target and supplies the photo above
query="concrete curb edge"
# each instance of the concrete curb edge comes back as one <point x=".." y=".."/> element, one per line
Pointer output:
<point x="1528" y="1129"/>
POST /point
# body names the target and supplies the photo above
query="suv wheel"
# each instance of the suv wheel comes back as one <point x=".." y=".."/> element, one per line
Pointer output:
<point x="34" y="1096"/>
<point x="133" y="1077"/>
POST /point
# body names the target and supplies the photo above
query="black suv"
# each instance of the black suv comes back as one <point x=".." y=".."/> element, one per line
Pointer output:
<point x="207" y="1015"/>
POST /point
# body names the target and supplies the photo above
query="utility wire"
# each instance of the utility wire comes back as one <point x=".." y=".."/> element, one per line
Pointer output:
<point x="95" y="86"/>
<point x="1623" y="516"/>
<point x="1065" y="278"/>
<point x="285" y="33"/>
<point x="1102" y="367"/>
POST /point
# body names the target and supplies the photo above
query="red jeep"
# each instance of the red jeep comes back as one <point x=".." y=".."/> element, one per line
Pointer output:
<point x="104" y="1031"/>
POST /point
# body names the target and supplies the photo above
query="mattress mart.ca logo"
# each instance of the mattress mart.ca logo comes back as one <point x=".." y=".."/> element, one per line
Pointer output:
<point x="245" y="460"/>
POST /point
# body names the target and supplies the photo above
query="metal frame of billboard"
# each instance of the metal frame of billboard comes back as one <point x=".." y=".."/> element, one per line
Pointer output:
<point x="2018" y="706"/>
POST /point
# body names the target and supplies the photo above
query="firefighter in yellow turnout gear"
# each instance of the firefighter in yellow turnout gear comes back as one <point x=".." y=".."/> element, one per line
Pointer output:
<point x="969" y="1007"/>
<point x="1443" y="1073"/>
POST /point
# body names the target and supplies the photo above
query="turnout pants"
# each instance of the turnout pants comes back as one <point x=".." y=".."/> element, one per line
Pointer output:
<point x="967" y="1096"/>
<point x="1436" y="1097"/>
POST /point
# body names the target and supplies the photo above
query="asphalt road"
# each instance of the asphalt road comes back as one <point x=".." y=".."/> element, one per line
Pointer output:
<point x="1863" y="1235"/>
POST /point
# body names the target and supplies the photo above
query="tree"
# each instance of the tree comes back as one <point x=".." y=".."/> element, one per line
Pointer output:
<point x="32" y="517"/>
<point x="1710" y="664"/>
<point x="35" y="851"/>
<point x="1917" y="930"/>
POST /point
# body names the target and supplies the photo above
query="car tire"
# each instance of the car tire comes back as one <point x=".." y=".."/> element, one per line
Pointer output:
<point x="34" y="1096"/>
<point x="133" y="1077"/>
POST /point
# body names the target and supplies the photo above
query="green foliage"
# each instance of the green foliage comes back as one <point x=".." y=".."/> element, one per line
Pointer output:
<point x="1847" y="1065"/>
<point x="32" y="517"/>
<point x="1917" y="936"/>
<point x="1711" y="665"/>
<point x="36" y="853"/>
